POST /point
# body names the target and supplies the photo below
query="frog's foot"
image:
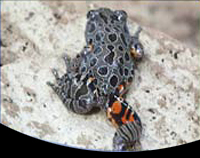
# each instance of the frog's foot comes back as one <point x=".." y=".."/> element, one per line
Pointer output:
<point x="76" y="106"/>
<point x="137" y="50"/>
<point x="127" y="137"/>
<point x="62" y="85"/>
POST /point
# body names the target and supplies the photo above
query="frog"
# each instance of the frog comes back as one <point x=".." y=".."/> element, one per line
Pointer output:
<point x="101" y="74"/>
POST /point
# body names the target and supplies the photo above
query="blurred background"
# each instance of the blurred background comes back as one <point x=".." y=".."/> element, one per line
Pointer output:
<point x="179" y="19"/>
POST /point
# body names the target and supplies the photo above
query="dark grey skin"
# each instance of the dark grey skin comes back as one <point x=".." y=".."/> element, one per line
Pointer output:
<point x="104" y="63"/>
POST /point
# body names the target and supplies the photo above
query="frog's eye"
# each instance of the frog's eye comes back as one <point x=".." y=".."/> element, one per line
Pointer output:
<point x="137" y="51"/>
<point x="122" y="15"/>
<point x="91" y="14"/>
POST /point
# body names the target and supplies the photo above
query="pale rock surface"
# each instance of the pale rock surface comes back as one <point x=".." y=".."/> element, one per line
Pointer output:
<point x="165" y="90"/>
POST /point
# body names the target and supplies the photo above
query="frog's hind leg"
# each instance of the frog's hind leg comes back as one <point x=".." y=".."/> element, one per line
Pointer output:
<point x="127" y="122"/>
<point x="127" y="136"/>
<point x="61" y="86"/>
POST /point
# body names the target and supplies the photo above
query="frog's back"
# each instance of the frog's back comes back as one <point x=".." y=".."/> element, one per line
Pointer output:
<point x="110" y="60"/>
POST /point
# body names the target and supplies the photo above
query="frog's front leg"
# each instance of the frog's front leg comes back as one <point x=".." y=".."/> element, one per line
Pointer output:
<point x="136" y="48"/>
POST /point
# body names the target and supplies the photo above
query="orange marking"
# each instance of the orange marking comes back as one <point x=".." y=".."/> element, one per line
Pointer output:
<point x="108" y="113"/>
<point x="130" y="119"/>
<point x="135" y="54"/>
<point x="120" y="87"/>
<point x="116" y="107"/>
<point x="91" y="47"/>
<point x="91" y="79"/>
<point x="113" y="121"/>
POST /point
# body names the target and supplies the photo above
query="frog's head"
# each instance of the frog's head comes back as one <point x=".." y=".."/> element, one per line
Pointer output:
<point x="105" y="15"/>
<point x="104" y="21"/>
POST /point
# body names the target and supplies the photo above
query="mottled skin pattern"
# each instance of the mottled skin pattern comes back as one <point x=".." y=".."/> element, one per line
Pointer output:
<point x="99" y="76"/>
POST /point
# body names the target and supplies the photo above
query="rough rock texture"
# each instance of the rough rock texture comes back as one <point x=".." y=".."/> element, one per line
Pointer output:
<point x="165" y="92"/>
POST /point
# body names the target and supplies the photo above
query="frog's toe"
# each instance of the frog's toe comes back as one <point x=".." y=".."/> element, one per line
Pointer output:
<point x="53" y="86"/>
<point x="67" y="60"/>
<point x="55" y="73"/>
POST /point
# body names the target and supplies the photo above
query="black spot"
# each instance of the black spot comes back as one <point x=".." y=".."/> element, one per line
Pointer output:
<point x="112" y="37"/>
<point x="105" y="19"/>
<point x="100" y="25"/>
<point x="107" y="29"/>
<point x="93" y="61"/>
<point x="132" y="72"/>
<point x="103" y="70"/>
<point x="121" y="71"/>
<point x="120" y="48"/>
<point x="130" y="79"/>
<point x="123" y="39"/>
<point x="78" y="77"/>
<point x="109" y="58"/>
<point x="90" y="40"/>
<point x="121" y="61"/>
<point x="116" y="29"/>
<point x="113" y="80"/>
<point x="110" y="47"/>
<point x="127" y="56"/>
<point x="126" y="71"/>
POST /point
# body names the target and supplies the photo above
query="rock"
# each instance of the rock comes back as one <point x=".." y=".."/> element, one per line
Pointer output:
<point x="165" y="90"/>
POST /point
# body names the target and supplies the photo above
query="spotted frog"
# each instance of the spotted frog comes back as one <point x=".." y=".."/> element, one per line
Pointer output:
<point x="101" y="74"/>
